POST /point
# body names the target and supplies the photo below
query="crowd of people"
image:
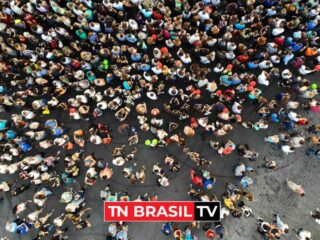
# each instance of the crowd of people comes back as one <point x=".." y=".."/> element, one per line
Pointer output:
<point x="171" y="68"/>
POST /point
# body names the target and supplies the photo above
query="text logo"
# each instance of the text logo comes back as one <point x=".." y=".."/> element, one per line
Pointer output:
<point x="161" y="211"/>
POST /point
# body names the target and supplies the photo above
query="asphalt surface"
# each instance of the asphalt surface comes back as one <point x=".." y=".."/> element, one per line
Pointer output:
<point x="270" y="192"/>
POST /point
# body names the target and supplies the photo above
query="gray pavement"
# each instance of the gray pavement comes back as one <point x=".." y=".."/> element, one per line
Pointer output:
<point x="270" y="192"/>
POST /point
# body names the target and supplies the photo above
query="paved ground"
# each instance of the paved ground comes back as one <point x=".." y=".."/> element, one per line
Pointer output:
<point x="271" y="193"/>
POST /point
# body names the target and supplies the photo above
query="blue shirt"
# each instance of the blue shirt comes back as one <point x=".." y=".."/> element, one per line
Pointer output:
<point x="274" y="118"/>
<point x="51" y="123"/>
<point x="3" y="124"/>
<point x="10" y="134"/>
<point x="166" y="229"/>
<point x="126" y="85"/>
<point x="208" y="183"/>
<point x="24" y="228"/>
<point x="146" y="13"/>
<point x="25" y="147"/>
<point x="240" y="26"/>
<point x="57" y="131"/>
<point x="252" y="65"/>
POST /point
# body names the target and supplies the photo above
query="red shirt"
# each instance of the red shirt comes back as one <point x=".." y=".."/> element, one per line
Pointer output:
<point x="164" y="50"/>
<point x="243" y="58"/>
<point x="279" y="40"/>
<point x="156" y="15"/>
<point x="72" y="110"/>
<point x="227" y="151"/>
<point x="75" y="64"/>
<point x="54" y="44"/>
<point x="297" y="64"/>
<point x="6" y="20"/>
<point x="197" y="181"/>
<point x="302" y="122"/>
<point x="166" y="34"/>
<point x="210" y="234"/>
<point x="197" y="92"/>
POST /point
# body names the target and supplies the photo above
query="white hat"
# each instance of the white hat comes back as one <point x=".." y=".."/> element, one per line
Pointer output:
<point x="142" y="35"/>
<point x="66" y="197"/>
<point x="173" y="91"/>
<point x="152" y="95"/>
<point x="133" y="24"/>
<point x="119" y="161"/>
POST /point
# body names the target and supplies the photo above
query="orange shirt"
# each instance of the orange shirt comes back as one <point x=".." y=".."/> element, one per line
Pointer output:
<point x="311" y="52"/>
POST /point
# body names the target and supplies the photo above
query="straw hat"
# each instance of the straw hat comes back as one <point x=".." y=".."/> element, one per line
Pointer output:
<point x="141" y="108"/>
<point x="188" y="131"/>
<point x="212" y="86"/>
<point x="41" y="81"/>
<point x="100" y="82"/>
<point x="155" y="112"/>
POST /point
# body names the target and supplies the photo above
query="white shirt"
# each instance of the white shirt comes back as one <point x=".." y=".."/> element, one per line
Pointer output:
<point x="203" y="15"/>
<point x="275" y="59"/>
<point x="303" y="70"/>
<point x="95" y="26"/>
<point x="202" y="83"/>
<point x="262" y="79"/>
<point x="230" y="55"/>
<point x="303" y="235"/>
<point x="235" y="108"/>
<point x="194" y="38"/>
<point x="264" y="65"/>
<point x="292" y="105"/>
<point x="277" y="31"/>
<point x="293" y="116"/>
<point x="95" y="139"/>
<point x="287" y="149"/>
<point x="215" y="2"/>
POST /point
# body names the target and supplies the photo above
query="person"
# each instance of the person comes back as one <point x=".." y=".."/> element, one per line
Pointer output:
<point x="12" y="226"/>
<point x="295" y="187"/>
<point x="316" y="216"/>
<point x="167" y="229"/>
<point x="23" y="228"/>
<point x="304" y="234"/>
<point x="281" y="225"/>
